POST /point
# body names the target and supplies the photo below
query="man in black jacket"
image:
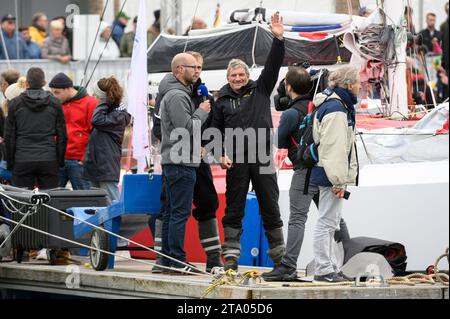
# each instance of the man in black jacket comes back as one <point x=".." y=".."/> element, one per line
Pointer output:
<point x="244" y="104"/>
<point x="430" y="35"/>
<point x="35" y="135"/>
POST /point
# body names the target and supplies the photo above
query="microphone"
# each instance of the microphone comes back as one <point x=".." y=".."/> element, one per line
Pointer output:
<point x="203" y="92"/>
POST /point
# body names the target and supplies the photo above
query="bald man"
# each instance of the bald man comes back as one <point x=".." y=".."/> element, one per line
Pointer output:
<point x="180" y="151"/>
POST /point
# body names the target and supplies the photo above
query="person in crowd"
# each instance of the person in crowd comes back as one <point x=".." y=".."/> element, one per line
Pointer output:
<point x="38" y="29"/>
<point x="179" y="114"/>
<point x="431" y="37"/>
<point x="334" y="133"/>
<point x="56" y="46"/>
<point x="67" y="32"/>
<point x="34" y="50"/>
<point x="8" y="78"/>
<point x="127" y="41"/>
<point x="35" y="135"/>
<point x="104" y="149"/>
<point x="13" y="91"/>
<point x="206" y="200"/>
<point x="10" y="41"/>
<point x="105" y="46"/>
<point x="245" y="104"/>
<point x="197" y="24"/>
<point x="155" y="29"/>
<point x="78" y="109"/>
<point x="118" y="27"/>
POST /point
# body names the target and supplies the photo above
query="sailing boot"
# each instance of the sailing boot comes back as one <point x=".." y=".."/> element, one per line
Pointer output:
<point x="277" y="248"/>
<point x="158" y="248"/>
<point x="231" y="248"/>
<point x="208" y="232"/>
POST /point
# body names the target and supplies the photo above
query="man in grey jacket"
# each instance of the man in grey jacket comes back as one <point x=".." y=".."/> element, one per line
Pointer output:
<point x="181" y="152"/>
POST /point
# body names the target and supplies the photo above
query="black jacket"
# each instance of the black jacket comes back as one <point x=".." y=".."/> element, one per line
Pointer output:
<point x="35" y="129"/>
<point x="104" y="149"/>
<point x="288" y="132"/>
<point x="427" y="38"/>
<point x="251" y="107"/>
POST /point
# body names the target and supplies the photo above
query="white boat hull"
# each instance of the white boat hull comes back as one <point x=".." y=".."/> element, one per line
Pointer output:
<point x="406" y="203"/>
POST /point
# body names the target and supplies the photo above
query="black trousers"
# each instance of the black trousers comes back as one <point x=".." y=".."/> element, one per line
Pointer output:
<point x="43" y="175"/>
<point x="266" y="189"/>
<point x="206" y="200"/>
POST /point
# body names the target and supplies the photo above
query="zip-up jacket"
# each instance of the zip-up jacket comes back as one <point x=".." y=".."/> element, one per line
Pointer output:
<point x="178" y="113"/>
<point x="334" y="131"/>
<point x="35" y="129"/>
<point x="78" y="114"/>
<point x="104" y="149"/>
<point x="251" y="107"/>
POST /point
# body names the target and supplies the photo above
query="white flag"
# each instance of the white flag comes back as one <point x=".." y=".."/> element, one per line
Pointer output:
<point x="137" y="91"/>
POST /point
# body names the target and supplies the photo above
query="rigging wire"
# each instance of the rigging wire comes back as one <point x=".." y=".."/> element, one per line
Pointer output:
<point x="104" y="230"/>
<point x="192" y="25"/>
<point x="94" y="43"/>
<point x="104" y="48"/>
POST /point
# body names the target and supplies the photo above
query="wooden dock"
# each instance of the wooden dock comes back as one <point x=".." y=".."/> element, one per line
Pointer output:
<point x="131" y="280"/>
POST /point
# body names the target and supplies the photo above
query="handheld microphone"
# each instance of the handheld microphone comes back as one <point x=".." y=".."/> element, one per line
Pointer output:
<point x="203" y="92"/>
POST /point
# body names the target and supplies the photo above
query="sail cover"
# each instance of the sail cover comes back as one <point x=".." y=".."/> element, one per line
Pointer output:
<point x="239" y="42"/>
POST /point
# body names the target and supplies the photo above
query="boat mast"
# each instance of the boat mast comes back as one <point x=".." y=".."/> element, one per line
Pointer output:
<point x="397" y="71"/>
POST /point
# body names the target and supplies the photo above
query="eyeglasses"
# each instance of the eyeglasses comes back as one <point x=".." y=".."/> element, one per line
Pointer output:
<point x="195" y="67"/>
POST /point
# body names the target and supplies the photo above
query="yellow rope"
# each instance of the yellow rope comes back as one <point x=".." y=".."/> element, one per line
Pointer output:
<point x="229" y="278"/>
<point x="232" y="278"/>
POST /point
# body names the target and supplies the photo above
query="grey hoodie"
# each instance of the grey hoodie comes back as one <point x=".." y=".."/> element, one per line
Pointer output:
<point x="180" y="118"/>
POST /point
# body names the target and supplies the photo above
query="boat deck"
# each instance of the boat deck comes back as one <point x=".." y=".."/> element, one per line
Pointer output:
<point x="131" y="280"/>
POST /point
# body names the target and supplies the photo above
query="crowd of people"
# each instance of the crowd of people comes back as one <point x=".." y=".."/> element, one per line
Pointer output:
<point x="54" y="40"/>
<point x="50" y="138"/>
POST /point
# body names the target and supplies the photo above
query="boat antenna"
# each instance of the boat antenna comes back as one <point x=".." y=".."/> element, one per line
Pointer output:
<point x="93" y="43"/>
<point x="192" y="25"/>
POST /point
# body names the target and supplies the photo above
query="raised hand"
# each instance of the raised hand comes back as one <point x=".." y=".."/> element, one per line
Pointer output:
<point x="277" y="26"/>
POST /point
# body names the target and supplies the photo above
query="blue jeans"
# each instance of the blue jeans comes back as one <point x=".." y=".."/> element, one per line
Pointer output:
<point x="180" y="183"/>
<point x="72" y="172"/>
<point x="111" y="188"/>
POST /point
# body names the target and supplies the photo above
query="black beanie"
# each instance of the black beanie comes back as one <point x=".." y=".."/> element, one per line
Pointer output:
<point x="60" y="81"/>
